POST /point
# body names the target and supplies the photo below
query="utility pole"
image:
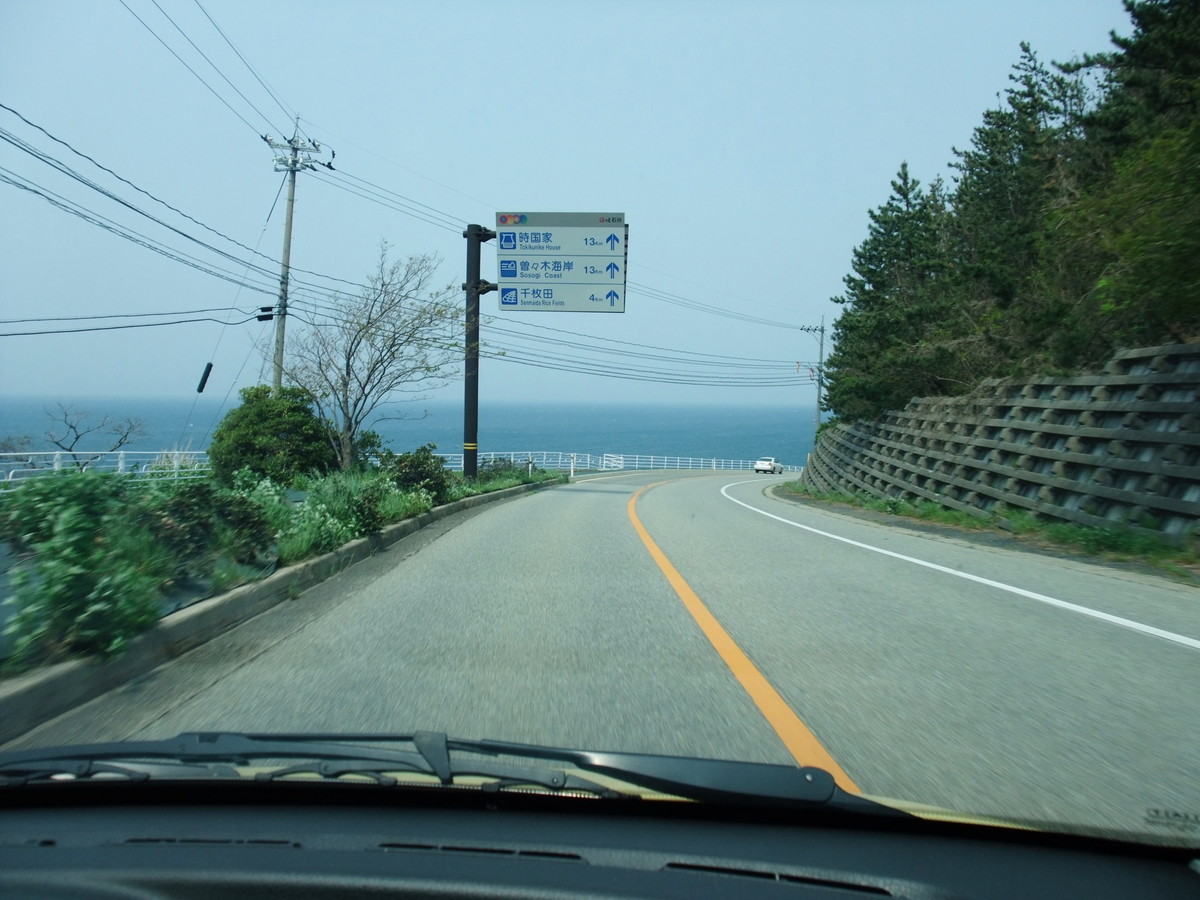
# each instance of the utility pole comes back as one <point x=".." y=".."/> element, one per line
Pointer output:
<point x="820" y="374"/>
<point x="293" y="155"/>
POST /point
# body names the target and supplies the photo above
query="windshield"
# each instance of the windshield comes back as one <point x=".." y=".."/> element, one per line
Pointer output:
<point x="811" y="385"/>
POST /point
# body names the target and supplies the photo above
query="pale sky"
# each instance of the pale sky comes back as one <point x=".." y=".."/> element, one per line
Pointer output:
<point x="744" y="141"/>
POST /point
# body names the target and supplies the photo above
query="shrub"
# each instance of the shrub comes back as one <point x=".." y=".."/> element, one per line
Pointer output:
<point x="420" y="468"/>
<point x="277" y="436"/>
<point x="96" y="576"/>
<point x="27" y="514"/>
<point x="353" y="499"/>
<point x="243" y="530"/>
<point x="313" y="530"/>
<point x="401" y="505"/>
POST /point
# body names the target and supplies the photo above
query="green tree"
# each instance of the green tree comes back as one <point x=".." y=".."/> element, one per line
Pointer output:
<point x="1026" y="160"/>
<point x="884" y="348"/>
<point x="1131" y="243"/>
<point x="278" y="436"/>
<point x="1151" y="78"/>
<point x="1147" y="220"/>
<point x="1073" y="227"/>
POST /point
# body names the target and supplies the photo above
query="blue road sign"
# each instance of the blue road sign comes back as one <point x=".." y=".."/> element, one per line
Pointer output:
<point x="562" y="262"/>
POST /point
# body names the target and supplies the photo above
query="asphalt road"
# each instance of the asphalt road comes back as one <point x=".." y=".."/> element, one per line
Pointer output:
<point x="928" y="668"/>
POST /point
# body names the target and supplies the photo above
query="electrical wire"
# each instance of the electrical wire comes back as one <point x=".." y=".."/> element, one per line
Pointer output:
<point x="397" y="165"/>
<point x="290" y="115"/>
<point x="225" y="328"/>
<point x="728" y="372"/>
<point x="66" y="170"/>
<point x="454" y="221"/>
<point x="189" y="68"/>
<point x="182" y="312"/>
<point x="120" y="327"/>
<point x="214" y="66"/>
<point x="341" y="184"/>
<point x="128" y="234"/>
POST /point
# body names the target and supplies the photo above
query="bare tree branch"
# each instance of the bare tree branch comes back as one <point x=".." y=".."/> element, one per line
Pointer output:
<point x="395" y="337"/>
<point x="72" y="425"/>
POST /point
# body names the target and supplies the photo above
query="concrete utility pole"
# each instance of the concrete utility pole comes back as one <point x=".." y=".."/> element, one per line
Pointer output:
<point x="294" y="155"/>
<point x="820" y="374"/>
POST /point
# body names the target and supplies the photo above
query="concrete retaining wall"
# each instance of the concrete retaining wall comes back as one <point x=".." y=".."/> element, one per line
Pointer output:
<point x="1118" y="448"/>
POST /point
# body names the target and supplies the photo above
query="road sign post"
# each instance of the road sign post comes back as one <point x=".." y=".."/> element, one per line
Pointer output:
<point x="476" y="235"/>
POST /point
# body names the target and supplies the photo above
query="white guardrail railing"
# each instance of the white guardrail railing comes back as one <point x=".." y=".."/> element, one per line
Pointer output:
<point x="173" y="464"/>
<point x="605" y="462"/>
<point x="183" y="464"/>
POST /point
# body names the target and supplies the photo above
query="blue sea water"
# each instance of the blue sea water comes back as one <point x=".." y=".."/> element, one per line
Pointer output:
<point x="707" y="431"/>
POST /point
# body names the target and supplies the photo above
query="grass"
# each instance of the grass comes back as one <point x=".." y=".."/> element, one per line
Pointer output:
<point x="228" y="574"/>
<point x="1124" y="544"/>
<point x="489" y="482"/>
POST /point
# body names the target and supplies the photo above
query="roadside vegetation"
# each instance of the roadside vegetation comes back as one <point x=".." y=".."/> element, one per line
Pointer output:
<point x="294" y="474"/>
<point x="102" y="553"/>
<point x="1070" y="228"/>
<point x="1120" y="544"/>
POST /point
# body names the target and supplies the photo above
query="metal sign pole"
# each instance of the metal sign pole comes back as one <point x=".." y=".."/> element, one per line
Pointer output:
<point x="476" y="235"/>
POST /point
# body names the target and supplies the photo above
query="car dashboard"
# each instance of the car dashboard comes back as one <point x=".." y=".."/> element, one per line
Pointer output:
<point x="270" y="840"/>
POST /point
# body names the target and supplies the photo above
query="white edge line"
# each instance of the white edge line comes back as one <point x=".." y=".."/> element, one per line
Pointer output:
<point x="1032" y="595"/>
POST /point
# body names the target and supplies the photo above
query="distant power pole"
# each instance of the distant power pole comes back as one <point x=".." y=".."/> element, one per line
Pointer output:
<point x="294" y="155"/>
<point x="819" y="376"/>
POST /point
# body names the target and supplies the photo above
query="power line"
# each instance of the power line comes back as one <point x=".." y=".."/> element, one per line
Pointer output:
<point x="334" y="317"/>
<point x="397" y="165"/>
<point x="340" y="184"/>
<point x="64" y="169"/>
<point x="697" y="306"/>
<point x="648" y="346"/>
<point x="128" y="234"/>
<point x="214" y="66"/>
<point x="270" y="93"/>
<point x="727" y="372"/>
<point x="189" y="68"/>
<point x="120" y="327"/>
<point x="454" y="221"/>
<point x="182" y="312"/>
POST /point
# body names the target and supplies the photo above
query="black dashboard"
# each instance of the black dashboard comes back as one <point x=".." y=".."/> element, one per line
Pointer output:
<point x="272" y="840"/>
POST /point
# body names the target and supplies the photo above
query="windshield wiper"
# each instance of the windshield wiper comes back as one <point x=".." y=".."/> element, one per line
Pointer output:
<point x="448" y="759"/>
<point x="192" y="754"/>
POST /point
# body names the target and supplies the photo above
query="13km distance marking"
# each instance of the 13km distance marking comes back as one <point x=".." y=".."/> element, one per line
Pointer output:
<point x="607" y="242"/>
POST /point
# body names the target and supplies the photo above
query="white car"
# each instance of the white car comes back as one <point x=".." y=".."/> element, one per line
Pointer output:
<point x="768" y="465"/>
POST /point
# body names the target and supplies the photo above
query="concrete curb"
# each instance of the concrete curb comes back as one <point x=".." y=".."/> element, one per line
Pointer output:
<point x="32" y="699"/>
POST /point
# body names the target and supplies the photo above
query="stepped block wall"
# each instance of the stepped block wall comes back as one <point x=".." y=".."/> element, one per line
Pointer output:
<point x="1118" y="448"/>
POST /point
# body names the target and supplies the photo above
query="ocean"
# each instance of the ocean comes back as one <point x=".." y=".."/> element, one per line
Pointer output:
<point x="706" y="431"/>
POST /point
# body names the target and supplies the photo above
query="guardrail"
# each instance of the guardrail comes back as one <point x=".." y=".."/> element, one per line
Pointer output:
<point x="181" y="464"/>
<point x="173" y="464"/>
<point x="605" y="462"/>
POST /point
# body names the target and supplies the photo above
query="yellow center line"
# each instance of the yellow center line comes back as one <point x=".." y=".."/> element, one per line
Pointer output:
<point x="800" y="742"/>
